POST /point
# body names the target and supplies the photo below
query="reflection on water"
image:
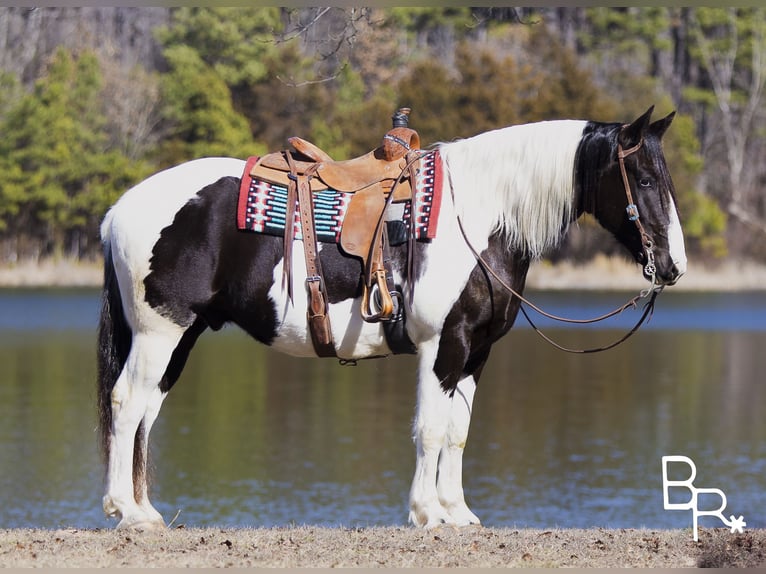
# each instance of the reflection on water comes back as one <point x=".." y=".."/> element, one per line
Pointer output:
<point x="251" y="437"/>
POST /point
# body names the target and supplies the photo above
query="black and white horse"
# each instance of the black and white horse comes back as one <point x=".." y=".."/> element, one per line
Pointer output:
<point x="175" y="264"/>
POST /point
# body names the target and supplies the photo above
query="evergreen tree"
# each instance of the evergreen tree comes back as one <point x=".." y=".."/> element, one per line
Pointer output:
<point x="198" y="111"/>
<point x="57" y="175"/>
<point x="215" y="56"/>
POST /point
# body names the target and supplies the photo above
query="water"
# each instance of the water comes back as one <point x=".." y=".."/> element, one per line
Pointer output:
<point x="249" y="437"/>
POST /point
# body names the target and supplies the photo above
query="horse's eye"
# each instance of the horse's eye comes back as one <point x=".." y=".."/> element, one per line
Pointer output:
<point x="645" y="182"/>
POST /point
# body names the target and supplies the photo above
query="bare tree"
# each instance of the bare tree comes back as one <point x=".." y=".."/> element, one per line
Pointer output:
<point x="725" y="38"/>
<point x="134" y="102"/>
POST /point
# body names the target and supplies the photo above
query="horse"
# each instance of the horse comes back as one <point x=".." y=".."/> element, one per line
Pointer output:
<point x="175" y="265"/>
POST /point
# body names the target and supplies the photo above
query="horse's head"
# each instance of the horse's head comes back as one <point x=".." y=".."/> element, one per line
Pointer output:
<point x="625" y="183"/>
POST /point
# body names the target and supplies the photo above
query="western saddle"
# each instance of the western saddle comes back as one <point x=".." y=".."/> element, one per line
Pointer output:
<point x="384" y="175"/>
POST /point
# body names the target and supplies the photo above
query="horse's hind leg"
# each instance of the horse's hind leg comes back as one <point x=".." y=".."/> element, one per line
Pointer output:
<point x="450" y="480"/>
<point x="156" y="398"/>
<point x="136" y="397"/>
<point x="141" y="454"/>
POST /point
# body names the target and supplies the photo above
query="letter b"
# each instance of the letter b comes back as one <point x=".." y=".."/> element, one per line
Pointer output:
<point x="667" y="484"/>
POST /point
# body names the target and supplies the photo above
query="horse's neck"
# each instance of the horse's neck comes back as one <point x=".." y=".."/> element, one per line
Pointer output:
<point x="519" y="180"/>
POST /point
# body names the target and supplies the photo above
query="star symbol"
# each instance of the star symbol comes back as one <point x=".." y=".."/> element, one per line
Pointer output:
<point x="737" y="524"/>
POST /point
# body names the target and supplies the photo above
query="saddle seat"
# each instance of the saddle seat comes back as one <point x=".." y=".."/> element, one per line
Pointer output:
<point x="381" y="167"/>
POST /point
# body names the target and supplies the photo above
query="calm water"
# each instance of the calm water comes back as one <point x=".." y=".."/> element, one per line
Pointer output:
<point x="252" y="438"/>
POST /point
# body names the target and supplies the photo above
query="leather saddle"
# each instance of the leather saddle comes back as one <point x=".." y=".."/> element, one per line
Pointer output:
<point x="376" y="179"/>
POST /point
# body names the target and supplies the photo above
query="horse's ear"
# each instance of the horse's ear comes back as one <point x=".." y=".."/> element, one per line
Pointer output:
<point x="659" y="127"/>
<point x="632" y="133"/>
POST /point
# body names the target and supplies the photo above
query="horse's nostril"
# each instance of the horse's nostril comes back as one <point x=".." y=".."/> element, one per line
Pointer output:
<point x="674" y="275"/>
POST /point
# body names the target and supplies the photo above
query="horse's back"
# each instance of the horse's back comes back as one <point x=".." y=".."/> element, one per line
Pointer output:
<point x="152" y="203"/>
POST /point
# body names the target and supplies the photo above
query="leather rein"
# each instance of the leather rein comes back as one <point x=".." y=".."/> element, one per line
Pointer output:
<point x="650" y="269"/>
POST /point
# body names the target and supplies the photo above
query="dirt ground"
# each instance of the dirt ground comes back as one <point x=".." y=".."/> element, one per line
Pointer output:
<point x="388" y="547"/>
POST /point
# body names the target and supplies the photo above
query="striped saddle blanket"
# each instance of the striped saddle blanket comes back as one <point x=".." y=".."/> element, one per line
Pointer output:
<point x="262" y="207"/>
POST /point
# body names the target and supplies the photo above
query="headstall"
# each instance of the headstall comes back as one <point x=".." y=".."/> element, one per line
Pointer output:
<point x="650" y="268"/>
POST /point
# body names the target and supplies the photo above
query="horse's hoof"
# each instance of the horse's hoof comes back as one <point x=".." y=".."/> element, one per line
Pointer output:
<point x="462" y="516"/>
<point x="141" y="524"/>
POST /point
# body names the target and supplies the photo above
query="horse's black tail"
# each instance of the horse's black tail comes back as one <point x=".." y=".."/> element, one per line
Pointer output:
<point x="114" y="340"/>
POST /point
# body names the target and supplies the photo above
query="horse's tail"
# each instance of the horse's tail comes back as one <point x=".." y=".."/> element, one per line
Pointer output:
<point x="114" y="340"/>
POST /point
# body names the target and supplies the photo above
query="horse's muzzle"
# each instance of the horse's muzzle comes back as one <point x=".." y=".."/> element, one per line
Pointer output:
<point x="668" y="275"/>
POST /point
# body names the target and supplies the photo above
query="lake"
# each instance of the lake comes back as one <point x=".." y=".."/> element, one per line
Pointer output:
<point x="249" y="437"/>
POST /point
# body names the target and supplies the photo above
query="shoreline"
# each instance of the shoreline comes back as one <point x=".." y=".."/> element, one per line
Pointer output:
<point x="601" y="273"/>
<point x="381" y="547"/>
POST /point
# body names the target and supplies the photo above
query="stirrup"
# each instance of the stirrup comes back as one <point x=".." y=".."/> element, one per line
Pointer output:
<point x="377" y="301"/>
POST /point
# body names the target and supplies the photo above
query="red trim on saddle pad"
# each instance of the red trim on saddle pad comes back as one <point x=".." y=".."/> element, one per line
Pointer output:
<point x="244" y="188"/>
<point x="431" y="168"/>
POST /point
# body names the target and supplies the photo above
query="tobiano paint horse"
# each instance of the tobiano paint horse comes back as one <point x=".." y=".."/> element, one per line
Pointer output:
<point x="176" y="265"/>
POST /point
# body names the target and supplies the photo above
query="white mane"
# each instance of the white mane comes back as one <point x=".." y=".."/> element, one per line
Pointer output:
<point x="519" y="180"/>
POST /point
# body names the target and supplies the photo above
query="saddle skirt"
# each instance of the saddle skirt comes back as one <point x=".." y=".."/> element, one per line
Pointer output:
<point x="262" y="206"/>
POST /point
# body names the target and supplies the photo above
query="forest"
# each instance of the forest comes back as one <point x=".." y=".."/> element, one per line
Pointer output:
<point x="94" y="99"/>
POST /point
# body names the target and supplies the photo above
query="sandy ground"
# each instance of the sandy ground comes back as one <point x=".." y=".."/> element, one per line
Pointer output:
<point x="607" y="273"/>
<point x="389" y="547"/>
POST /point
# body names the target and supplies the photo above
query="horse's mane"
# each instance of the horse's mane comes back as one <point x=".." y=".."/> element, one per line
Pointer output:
<point x="518" y="180"/>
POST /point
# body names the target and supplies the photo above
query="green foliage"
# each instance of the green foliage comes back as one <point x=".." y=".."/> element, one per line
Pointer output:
<point x="726" y="39"/>
<point x="9" y="91"/>
<point x="704" y="225"/>
<point x="434" y="112"/>
<point x="562" y="87"/>
<point x="627" y="31"/>
<point x="286" y="102"/>
<point x="215" y="57"/>
<point x="703" y="221"/>
<point x="427" y="19"/>
<point x="57" y="175"/>
<point x="198" y="108"/>
<point x="482" y="77"/>
<point x="327" y="132"/>
<point x="231" y="41"/>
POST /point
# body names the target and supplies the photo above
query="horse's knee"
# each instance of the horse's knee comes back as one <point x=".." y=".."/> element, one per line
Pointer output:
<point x="430" y="437"/>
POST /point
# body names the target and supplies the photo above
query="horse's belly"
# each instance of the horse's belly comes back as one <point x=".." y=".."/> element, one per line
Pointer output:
<point x="354" y="338"/>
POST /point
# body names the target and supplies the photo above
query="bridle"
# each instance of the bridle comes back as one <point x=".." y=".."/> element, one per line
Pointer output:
<point x="650" y="269"/>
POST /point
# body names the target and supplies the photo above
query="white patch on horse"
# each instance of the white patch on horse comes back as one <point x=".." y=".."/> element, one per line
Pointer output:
<point x="429" y="433"/>
<point x="354" y="338"/>
<point x="676" y="240"/>
<point x="521" y="180"/>
<point x="445" y="269"/>
<point x="450" y="478"/>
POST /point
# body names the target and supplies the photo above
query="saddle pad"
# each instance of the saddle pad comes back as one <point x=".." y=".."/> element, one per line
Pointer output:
<point x="262" y="205"/>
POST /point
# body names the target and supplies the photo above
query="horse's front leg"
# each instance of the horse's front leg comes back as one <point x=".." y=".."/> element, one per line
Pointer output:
<point x="430" y="430"/>
<point x="450" y="480"/>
